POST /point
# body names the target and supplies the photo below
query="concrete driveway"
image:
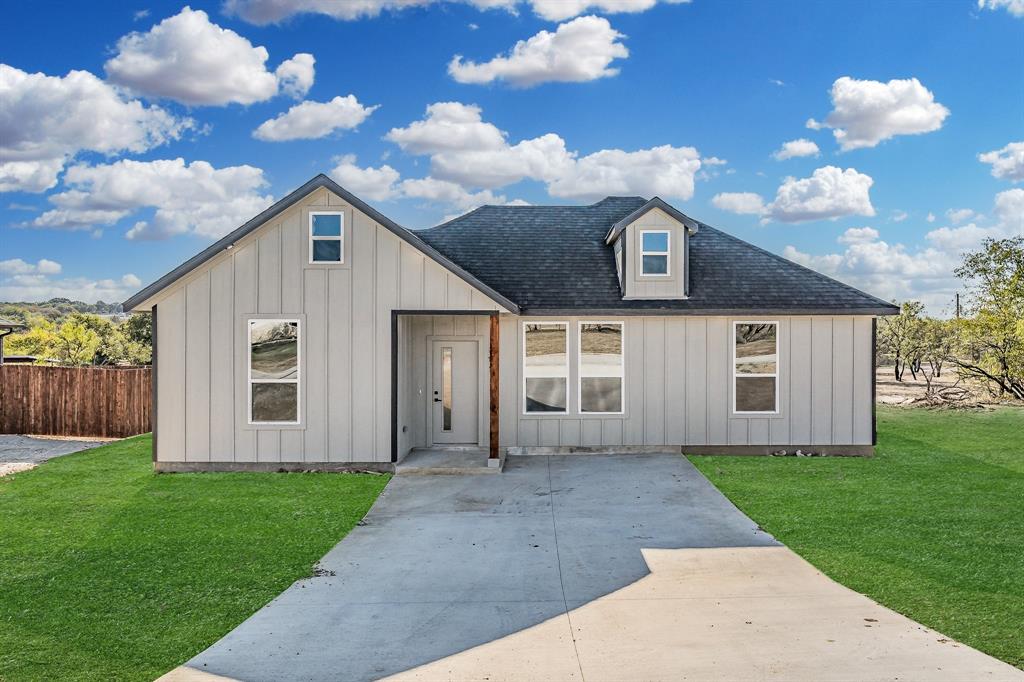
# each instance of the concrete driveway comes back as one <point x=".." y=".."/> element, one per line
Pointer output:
<point x="569" y="568"/>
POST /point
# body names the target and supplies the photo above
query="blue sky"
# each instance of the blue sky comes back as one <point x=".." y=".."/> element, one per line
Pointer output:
<point x="685" y="100"/>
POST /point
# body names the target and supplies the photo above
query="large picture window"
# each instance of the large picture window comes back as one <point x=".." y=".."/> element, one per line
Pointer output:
<point x="273" y="371"/>
<point x="545" y="367"/>
<point x="326" y="237"/>
<point x="756" y="367"/>
<point x="601" y="367"/>
<point x="654" y="252"/>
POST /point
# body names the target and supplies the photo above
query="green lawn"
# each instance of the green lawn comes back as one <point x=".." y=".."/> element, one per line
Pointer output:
<point x="932" y="526"/>
<point x="109" y="572"/>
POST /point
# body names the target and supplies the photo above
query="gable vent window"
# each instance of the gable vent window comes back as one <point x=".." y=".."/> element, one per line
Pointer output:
<point x="756" y="367"/>
<point x="654" y="252"/>
<point x="601" y="367"/>
<point x="545" y="367"/>
<point x="326" y="237"/>
<point x="274" y="371"/>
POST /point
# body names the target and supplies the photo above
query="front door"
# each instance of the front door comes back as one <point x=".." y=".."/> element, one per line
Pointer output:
<point x="454" y="394"/>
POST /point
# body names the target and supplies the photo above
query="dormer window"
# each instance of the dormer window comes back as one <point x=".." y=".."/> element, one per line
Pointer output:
<point x="326" y="237"/>
<point x="654" y="253"/>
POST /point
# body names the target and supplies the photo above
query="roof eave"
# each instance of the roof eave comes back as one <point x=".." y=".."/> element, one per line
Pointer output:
<point x="140" y="300"/>
<point x="718" y="312"/>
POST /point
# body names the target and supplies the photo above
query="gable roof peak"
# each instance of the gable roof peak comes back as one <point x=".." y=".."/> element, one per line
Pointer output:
<point x="655" y="202"/>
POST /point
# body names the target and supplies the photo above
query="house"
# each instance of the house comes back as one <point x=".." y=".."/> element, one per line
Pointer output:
<point x="323" y="335"/>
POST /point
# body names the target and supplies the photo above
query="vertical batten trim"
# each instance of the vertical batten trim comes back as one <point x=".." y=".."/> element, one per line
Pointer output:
<point x="874" y="378"/>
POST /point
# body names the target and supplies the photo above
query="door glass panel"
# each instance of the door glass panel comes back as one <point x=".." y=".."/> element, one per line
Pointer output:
<point x="446" y="388"/>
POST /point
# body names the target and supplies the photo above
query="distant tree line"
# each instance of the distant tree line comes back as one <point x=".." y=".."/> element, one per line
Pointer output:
<point x="81" y="338"/>
<point x="984" y="344"/>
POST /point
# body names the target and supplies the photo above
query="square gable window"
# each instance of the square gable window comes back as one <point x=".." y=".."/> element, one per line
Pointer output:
<point x="326" y="237"/>
<point x="654" y="253"/>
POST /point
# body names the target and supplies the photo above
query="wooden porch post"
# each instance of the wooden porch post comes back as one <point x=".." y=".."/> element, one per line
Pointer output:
<point x="493" y="356"/>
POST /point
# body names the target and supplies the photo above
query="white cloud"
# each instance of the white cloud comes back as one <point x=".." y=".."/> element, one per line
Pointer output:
<point x="295" y="76"/>
<point x="744" y="203"/>
<point x="39" y="284"/>
<point x="46" y="120"/>
<point x="899" y="216"/>
<point x="858" y="235"/>
<point x="383" y="184"/>
<point x="665" y="171"/>
<point x="448" y="126"/>
<point x="796" y="148"/>
<point x="714" y="161"/>
<point x="312" y="120"/>
<point x="1008" y="162"/>
<point x="476" y="154"/>
<point x="195" y="197"/>
<point x="925" y="273"/>
<point x="578" y="51"/>
<point x="866" y="112"/>
<point x="16" y="266"/>
<point x="1008" y="214"/>
<point x="829" y="193"/>
<point x="959" y="215"/>
<point x="931" y="217"/>
<point x="189" y="59"/>
<point x="376" y="184"/>
<point x="264" y="12"/>
<point x="448" y="193"/>
<point x="1014" y="7"/>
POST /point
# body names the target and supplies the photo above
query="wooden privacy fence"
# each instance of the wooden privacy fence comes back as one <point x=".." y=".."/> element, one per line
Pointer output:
<point x="105" y="402"/>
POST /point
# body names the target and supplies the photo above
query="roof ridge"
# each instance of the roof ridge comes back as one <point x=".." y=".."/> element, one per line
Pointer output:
<point x="787" y="261"/>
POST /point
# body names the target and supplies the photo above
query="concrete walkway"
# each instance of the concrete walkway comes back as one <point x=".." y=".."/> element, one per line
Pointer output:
<point x="619" y="567"/>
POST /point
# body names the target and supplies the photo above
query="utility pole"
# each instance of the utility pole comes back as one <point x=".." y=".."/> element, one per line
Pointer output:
<point x="958" y="306"/>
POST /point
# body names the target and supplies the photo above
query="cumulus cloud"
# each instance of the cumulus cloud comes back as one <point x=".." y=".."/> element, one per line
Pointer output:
<point x="16" y="266"/>
<point x="577" y="51"/>
<point x="1007" y="221"/>
<point x="46" y="120"/>
<point x="312" y="120"/>
<point x="829" y="193"/>
<point x="376" y="184"/>
<point x="744" y="203"/>
<point x="897" y="272"/>
<point x="866" y="112"/>
<point x="1007" y="163"/>
<point x="959" y="215"/>
<point x="899" y="216"/>
<point x="473" y="153"/>
<point x="1014" y="7"/>
<point x="858" y="235"/>
<point x="196" y="197"/>
<point x="189" y="59"/>
<point x="796" y="148"/>
<point x="448" y="193"/>
<point x="262" y="12"/>
<point x="41" y="284"/>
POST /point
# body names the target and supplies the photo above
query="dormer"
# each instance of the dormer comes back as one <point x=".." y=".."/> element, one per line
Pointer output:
<point x="652" y="248"/>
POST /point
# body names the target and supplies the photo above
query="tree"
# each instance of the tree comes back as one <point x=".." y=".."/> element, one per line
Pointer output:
<point x="900" y="337"/>
<point x="990" y="343"/>
<point x="81" y="339"/>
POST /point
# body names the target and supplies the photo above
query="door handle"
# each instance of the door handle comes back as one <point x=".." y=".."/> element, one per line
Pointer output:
<point x="437" y="400"/>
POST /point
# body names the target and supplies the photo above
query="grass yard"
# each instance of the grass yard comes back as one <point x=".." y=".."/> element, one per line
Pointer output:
<point x="109" y="572"/>
<point x="932" y="527"/>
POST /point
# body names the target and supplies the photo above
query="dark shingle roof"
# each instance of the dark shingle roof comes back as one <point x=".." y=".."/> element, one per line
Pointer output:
<point x="554" y="258"/>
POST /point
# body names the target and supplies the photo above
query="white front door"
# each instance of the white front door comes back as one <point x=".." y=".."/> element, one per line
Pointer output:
<point x="454" y="395"/>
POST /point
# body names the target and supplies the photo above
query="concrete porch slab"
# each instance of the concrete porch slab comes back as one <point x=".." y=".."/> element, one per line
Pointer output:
<point x="434" y="461"/>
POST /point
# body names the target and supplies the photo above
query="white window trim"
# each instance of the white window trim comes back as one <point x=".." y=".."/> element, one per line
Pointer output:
<point x="297" y="380"/>
<point x="579" y="367"/>
<point x="522" y="357"/>
<point x="340" y="238"/>
<point x="667" y="253"/>
<point x="778" y="331"/>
